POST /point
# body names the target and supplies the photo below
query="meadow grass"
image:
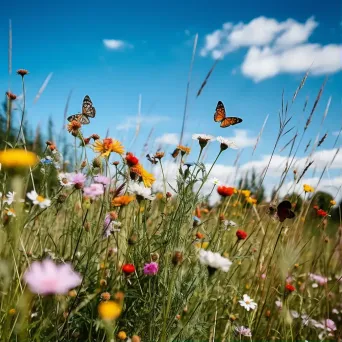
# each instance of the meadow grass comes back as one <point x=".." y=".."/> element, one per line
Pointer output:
<point x="164" y="266"/>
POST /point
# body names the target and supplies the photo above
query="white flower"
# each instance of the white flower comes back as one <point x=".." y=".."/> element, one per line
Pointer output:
<point x="225" y="143"/>
<point x="64" y="179"/>
<point x="314" y="285"/>
<point x="140" y="191"/>
<point x="279" y="304"/>
<point x="214" y="260"/>
<point x="10" y="212"/>
<point x="248" y="303"/>
<point x="294" y="313"/>
<point x="37" y="199"/>
<point x="10" y="197"/>
<point x="204" y="137"/>
<point x="229" y="223"/>
<point x="215" y="181"/>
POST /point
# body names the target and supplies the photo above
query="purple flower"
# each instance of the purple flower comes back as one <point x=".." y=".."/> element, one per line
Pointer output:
<point x="243" y="331"/>
<point x="330" y="324"/>
<point x="151" y="268"/>
<point x="109" y="226"/>
<point x="78" y="179"/>
<point x="93" y="190"/>
<point x="318" y="279"/>
<point x="48" y="278"/>
<point x="102" y="179"/>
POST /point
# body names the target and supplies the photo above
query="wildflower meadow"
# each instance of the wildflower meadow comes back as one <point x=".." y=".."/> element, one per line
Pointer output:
<point x="101" y="243"/>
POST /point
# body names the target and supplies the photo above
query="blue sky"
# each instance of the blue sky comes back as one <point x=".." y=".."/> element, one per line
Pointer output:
<point x="66" y="38"/>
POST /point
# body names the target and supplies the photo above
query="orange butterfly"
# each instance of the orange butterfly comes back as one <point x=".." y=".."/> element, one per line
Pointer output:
<point x="220" y="116"/>
<point x="88" y="111"/>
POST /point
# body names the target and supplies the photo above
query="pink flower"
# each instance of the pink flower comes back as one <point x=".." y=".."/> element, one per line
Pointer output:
<point x="318" y="279"/>
<point x="109" y="224"/>
<point x="93" y="190"/>
<point x="263" y="276"/>
<point x="78" y="179"/>
<point x="151" y="268"/>
<point x="102" y="179"/>
<point x="330" y="324"/>
<point x="48" y="278"/>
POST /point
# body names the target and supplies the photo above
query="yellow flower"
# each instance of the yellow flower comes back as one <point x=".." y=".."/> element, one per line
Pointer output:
<point x="122" y="335"/>
<point x="109" y="310"/>
<point x="251" y="200"/>
<point x="203" y="244"/>
<point x="246" y="193"/>
<point x="159" y="196"/>
<point x="17" y="157"/>
<point x="332" y="202"/>
<point x="184" y="149"/>
<point x="146" y="177"/>
<point x="107" y="146"/>
<point x="12" y="312"/>
<point x="308" y="188"/>
<point x="122" y="200"/>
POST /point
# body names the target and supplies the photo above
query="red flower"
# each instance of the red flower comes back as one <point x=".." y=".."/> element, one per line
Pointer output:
<point x="316" y="207"/>
<point x="241" y="235"/>
<point x="131" y="159"/>
<point x="225" y="190"/>
<point x="322" y="213"/>
<point x="289" y="288"/>
<point x="128" y="268"/>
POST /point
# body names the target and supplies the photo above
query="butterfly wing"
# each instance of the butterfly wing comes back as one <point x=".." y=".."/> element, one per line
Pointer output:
<point x="220" y="112"/>
<point x="74" y="117"/>
<point x="230" y="121"/>
<point x="84" y="120"/>
<point x="175" y="153"/>
<point x="284" y="211"/>
<point x="87" y="108"/>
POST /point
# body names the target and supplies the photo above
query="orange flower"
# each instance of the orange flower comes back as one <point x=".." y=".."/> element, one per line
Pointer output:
<point x="146" y="177"/>
<point x="199" y="235"/>
<point x="184" y="149"/>
<point x="159" y="155"/>
<point x="122" y="200"/>
<point x="74" y="127"/>
<point x="22" y="72"/>
<point x="11" y="96"/>
<point x="107" y="146"/>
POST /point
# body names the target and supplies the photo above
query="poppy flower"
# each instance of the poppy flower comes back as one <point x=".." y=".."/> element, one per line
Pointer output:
<point x="241" y="235"/>
<point x="225" y="190"/>
<point x="131" y="159"/>
<point x="322" y="213"/>
<point x="128" y="268"/>
<point x="290" y="288"/>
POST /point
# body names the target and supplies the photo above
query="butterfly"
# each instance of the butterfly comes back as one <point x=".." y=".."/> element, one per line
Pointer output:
<point x="88" y="111"/>
<point x="175" y="153"/>
<point x="151" y="159"/>
<point x="284" y="211"/>
<point x="220" y="116"/>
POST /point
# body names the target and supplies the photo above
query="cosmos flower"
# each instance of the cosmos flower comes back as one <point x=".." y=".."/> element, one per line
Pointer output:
<point x="93" y="191"/>
<point x="102" y="179"/>
<point x="107" y="146"/>
<point x="242" y="331"/>
<point x="140" y="191"/>
<point x="225" y="143"/>
<point x="247" y="303"/>
<point x="318" y="278"/>
<point x="48" y="278"/>
<point x="78" y="179"/>
<point x="151" y="268"/>
<point x="308" y="188"/>
<point x="203" y="139"/>
<point x="37" y="199"/>
<point x="214" y="260"/>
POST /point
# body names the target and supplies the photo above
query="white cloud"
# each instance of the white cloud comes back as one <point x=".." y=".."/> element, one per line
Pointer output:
<point x="336" y="133"/>
<point x="241" y="138"/>
<point x="132" y="122"/>
<point x="168" y="139"/>
<point x="114" y="44"/>
<point x="263" y="63"/>
<point x="274" y="47"/>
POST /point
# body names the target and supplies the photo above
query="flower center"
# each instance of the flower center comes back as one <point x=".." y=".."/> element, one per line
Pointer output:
<point x="248" y="302"/>
<point x="40" y="199"/>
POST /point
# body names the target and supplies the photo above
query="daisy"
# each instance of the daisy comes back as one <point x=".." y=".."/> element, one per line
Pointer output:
<point x="225" y="143"/>
<point x="203" y="139"/>
<point x="248" y="303"/>
<point x="37" y="199"/>
<point x="214" y="261"/>
<point x="64" y="179"/>
<point x="215" y="181"/>
<point x="10" y="197"/>
<point x="140" y="191"/>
